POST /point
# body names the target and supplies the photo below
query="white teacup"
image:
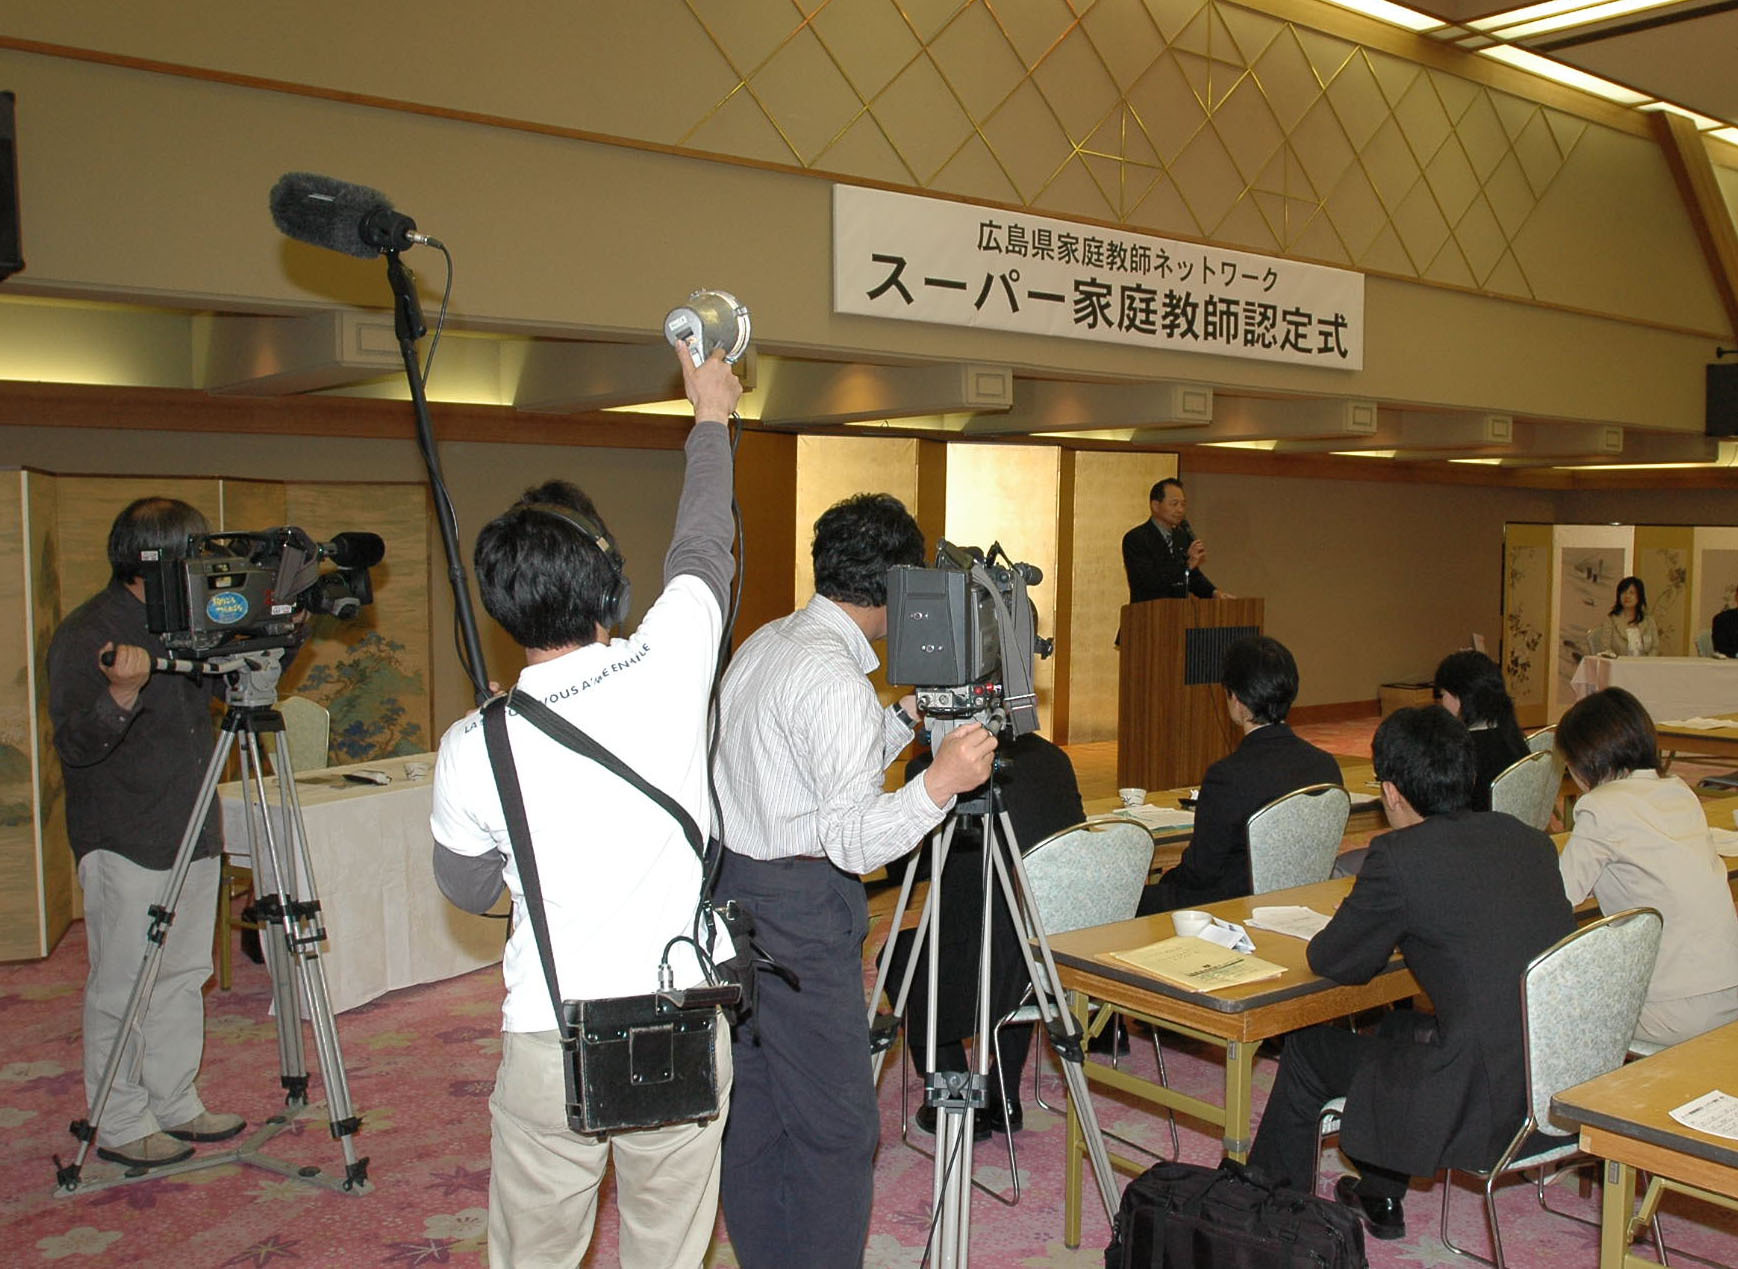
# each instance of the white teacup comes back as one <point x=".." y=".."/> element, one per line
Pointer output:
<point x="1132" y="797"/>
<point x="1189" y="922"/>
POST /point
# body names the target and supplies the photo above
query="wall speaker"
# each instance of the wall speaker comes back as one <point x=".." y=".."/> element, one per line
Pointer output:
<point x="11" y="251"/>
<point x="1722" y="398"/>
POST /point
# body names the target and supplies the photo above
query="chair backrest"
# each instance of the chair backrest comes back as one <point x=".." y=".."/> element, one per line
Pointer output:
<point x="1293" y="840"/>
<point x="308" y="729"/>
<point x="1542" y="741"/>
<point x="1704" y="643"/>
<point x="1090" y="874"/>
<point x="1527" y="789"/>
<point x="1580" y="999"/>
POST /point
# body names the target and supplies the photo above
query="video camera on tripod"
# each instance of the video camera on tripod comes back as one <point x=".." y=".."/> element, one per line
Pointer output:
<point x="240" y="592"/>
<point x="964" y="634"/>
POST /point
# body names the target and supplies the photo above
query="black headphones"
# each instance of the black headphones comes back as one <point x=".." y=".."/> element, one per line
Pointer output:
<point x="618" y="593"/>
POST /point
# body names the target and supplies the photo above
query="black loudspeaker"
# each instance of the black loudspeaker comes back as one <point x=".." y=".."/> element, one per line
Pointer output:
<point x="1722" y="398"/>
<point x="11" y="250"/>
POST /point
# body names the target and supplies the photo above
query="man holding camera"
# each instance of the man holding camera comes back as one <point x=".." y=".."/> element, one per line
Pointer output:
<point x="619" y="880"/>
<point x="804" y="749"/>
<point x="134" y="747"/>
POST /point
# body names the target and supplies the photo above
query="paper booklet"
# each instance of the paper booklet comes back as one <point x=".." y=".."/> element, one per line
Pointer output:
<point x="1714" y="1113"/>
<point x="1155" y="816"/>
<point x="1196" y="964"/>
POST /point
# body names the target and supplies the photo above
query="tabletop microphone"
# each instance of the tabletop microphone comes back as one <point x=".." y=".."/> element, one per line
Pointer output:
<point x="354" y="219"/>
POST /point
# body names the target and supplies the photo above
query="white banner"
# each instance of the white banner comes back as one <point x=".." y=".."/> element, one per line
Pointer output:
<point x="930" y="260"/>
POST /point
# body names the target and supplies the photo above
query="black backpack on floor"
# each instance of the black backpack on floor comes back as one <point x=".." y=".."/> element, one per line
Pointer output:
<point x="1181" y="1216"/>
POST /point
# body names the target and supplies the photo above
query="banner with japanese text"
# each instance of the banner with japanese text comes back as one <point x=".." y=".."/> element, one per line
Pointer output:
<point x="931" y="260"/>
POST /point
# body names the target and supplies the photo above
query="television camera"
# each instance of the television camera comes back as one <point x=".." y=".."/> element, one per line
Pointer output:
<point x="964" y="634"/>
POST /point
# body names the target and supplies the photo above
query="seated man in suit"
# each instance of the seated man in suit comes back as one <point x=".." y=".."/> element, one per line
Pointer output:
<point x="1260" y="681"/>
<point x="1469" y="897"/>
<point x="1724" y="631"/>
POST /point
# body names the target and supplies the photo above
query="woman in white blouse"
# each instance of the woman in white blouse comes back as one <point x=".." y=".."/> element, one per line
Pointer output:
<point x="1641" y="840"/>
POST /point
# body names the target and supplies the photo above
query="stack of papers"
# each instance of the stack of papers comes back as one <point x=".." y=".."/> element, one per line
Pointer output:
<point x="1297" y="921"/>
<point x="1697" y="724"/>
<point x="1155" y="816"/>
<point x="1197" y="964"/>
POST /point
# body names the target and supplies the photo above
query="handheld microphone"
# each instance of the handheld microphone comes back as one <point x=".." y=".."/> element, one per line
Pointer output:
<point x="709" y="320"/>
<point x="354" y="219"/>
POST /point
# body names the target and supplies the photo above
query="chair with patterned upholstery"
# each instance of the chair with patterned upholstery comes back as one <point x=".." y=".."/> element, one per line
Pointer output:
<point x="1527" y="789"/>
<point x="1294" y="840"/>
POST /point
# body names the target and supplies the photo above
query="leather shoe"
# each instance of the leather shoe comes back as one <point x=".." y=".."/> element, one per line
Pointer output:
<point x="1115" y="1034"/>
<point x="1386" y="1218"/>
<point x="1008" y="1118"/>
<point x="925" y="1120"/>
<point x="208" y="1125"/>
<point x="153" y="1151"/>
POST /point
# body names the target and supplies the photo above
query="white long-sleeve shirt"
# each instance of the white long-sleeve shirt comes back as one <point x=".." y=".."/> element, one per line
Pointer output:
<point x="804" y="746"/>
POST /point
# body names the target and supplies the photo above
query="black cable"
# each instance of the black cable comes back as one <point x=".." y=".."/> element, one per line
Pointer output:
<point x="441" y="317"/>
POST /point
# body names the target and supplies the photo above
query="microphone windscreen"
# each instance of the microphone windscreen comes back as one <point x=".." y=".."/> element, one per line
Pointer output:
<point x="355" y="550"/>
<point x="326" y="212"/>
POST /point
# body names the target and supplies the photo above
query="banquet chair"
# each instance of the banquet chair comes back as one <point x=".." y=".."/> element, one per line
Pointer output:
<point x="1527" y="789"/>
<point x="1091" y="874"/>
<point x="1580" y="1000"/>
<point x="1545" y="741"/>
<point x="1705" y="643"/>
<point x="1293" y="840"/>
<point x="307" y="732"/>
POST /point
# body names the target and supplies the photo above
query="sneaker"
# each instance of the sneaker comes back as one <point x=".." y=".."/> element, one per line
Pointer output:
<point x="208" y="1125"/>
<point x="154" y="1151"/>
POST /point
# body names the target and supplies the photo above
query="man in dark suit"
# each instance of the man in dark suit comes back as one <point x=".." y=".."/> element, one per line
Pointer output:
<point x="1724" y="631"/>
<point x="1469" y="898"/>
<point x="1260" y="681"/>
<point x="1162" y="555"/>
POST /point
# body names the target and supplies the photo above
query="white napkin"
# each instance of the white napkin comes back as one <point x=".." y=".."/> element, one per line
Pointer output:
<point x="1228" y="934"/>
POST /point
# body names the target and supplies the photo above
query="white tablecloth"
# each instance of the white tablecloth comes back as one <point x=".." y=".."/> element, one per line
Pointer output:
<point x="387" y="923"/>
<point x="1669" y="687"/>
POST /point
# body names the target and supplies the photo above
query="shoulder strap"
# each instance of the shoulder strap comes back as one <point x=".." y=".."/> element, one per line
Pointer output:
<point x="559" y="729"/>
<point x="519" y="833"/>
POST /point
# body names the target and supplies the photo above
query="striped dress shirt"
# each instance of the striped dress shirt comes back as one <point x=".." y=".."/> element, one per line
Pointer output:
<point x="804" y="746"/>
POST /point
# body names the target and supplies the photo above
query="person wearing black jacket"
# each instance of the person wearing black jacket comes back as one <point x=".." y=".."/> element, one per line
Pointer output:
<point x="1260" y="681"/>
<point x="1162" y="555"/>
<point x="1468" y="898"/>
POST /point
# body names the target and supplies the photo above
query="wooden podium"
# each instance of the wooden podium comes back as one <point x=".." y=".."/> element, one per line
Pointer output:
<point x="1171" y="723"/>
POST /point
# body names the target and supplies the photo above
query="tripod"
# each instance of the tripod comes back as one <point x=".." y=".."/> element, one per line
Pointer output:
<point x="286" y="903"/>
<point x="958" y="1096"/>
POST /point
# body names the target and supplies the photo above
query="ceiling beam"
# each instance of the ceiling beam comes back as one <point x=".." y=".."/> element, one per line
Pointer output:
<point x="1450" y="432"/>
<point x="795" y="394"/>
<point x="1250" y="419"/>
<point x="1540" y="442"/>
<point x="1049" y="405"/>
<point x="564" y="377"/>
<point x="282" y="356"/>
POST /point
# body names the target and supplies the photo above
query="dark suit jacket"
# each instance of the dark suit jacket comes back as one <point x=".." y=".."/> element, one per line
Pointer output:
<point x="1155" y="568"/>
<point x="1271" y="762"/>
<point x="1725" y="632"/>
<point x="1469" y="898"/>
<point x="1494" y="756"/>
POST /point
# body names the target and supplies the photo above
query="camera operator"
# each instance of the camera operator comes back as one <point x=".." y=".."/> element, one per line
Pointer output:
<point x="804" y="748"/>
<point x="134" y="747"/>
<point x="619" y="880"/>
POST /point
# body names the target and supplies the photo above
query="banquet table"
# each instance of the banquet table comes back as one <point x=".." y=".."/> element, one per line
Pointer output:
<point x="387" y="923"/>
<point x="1669" y="687"/>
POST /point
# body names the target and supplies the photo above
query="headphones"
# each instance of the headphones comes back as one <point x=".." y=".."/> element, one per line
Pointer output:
<point x="618" y="592"/>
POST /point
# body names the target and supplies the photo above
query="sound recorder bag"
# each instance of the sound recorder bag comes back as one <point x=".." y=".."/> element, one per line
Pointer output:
<point x="629" y="1061"/>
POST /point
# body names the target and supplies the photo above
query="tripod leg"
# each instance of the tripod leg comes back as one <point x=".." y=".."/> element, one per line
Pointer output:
<point x="162" y="917"/>
<point x="939" y="843"/>
<point x="305" y="950"/>
<point x="271" y="901"/>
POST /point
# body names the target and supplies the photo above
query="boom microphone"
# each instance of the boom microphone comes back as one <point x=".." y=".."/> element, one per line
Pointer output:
<point x="709" y="320"/>
<point x="354" y="219"/>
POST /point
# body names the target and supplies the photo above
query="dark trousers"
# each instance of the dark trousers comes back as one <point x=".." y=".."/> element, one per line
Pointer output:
<point x="799" y="1150"/>
<point x="1317" y="1066"/>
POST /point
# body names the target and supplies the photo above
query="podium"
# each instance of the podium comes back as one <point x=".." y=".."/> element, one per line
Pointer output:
<point x="1171" y="723"/>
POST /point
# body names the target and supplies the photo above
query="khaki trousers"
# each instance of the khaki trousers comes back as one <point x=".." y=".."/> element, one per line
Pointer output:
<point x="544" y="1176"/>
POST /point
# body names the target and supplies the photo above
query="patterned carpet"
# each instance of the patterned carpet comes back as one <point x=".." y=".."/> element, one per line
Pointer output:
<point x="421" y="1063"/>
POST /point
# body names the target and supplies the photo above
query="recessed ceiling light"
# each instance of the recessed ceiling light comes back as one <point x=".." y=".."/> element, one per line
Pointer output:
<point x="1544" y="67"/>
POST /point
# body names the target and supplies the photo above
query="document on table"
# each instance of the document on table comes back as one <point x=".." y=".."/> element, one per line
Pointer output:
<point x="1196" y="964"/>
<point x="1725" y="841"/>
<point x="1698" y="724"/>
<point x="1299" y="922"/>
<point x="1714" y="1113"/>
<point x="1155" y="816"/>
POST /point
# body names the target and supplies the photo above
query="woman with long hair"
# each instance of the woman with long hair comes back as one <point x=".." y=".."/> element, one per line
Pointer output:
<point x="1628" y="630"/>
<point x="1641" y="840"/>
<point x="1470" y="686"/>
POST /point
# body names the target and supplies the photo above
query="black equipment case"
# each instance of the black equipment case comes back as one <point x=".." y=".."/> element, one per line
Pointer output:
<point x="1181" y="1216"/>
